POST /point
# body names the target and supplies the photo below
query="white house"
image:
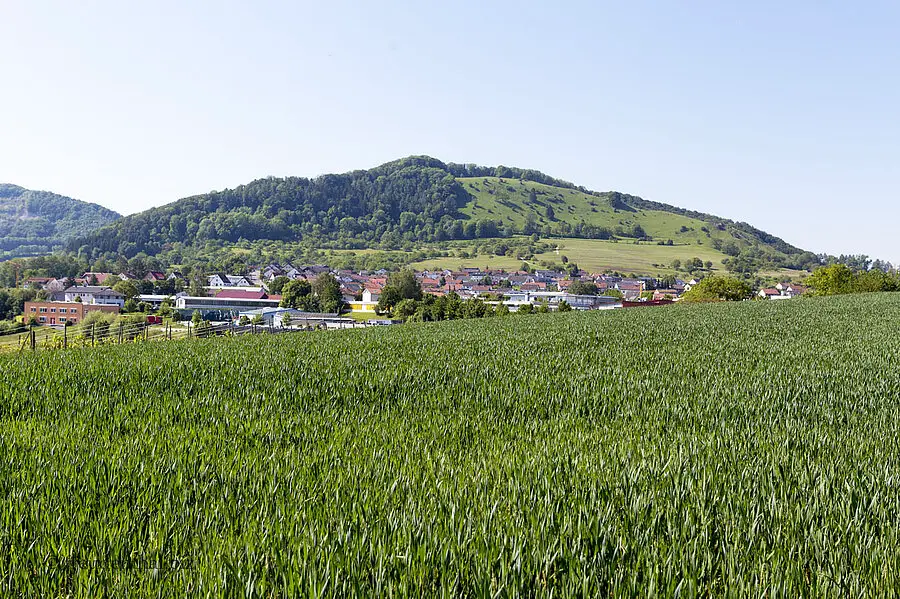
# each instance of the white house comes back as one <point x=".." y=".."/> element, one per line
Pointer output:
<point x="156" y="300"/>
<point x="223" y="280"/>
<point x="103" y="296"/>
<point x="690" y="284"/>
<point x="790" y="290"/>
<point x="782" y="291"/>
<point x="370" y="296"/>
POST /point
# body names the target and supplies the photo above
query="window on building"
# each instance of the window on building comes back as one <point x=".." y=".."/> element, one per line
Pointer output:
<point x="53" y="310"/>
<point x="43" y="319"/>
<point x="62" y="318"/>
<point x="43" y="309"/>
<point x="73" y="311"/>
<point x="33" y="309"/>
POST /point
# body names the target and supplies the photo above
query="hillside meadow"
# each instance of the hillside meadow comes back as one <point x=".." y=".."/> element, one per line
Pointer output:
<point x="743" y="449"/>
<point x="511" y="201"/>
<point x="591" y="255"/>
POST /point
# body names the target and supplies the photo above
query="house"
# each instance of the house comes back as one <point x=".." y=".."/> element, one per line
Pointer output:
<point x="156" y="300"/>
<point x="782" y="291"/>
<point x="37" y="281"/>
<point x="154" y="276"/>
<point x="56" y="286"/>
<point x="534" y="286"/>
<point x="630" y="289"/>
<point x="95" y="295"/>
<point x="223" y="280"/>
<point x="630" y="285"/>
<point x="270" y="272"/>
<point x="370" y="296"/>
<point x="218" y="280"/>
<point x="351" y="290"/>
<point x="63" y="313"/>
<point x="664" y="294"/>
<point x="770" y="293"/>
<point x="790" y="290"/>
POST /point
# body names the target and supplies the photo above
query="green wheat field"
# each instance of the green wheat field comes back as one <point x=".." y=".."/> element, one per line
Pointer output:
<point x="742" y="450"/>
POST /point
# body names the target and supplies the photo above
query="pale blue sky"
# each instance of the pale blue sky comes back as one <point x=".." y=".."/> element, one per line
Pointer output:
<point x="781" y="114"/>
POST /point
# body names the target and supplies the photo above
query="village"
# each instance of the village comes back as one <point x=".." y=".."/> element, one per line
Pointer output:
<point x="254" y="296"/>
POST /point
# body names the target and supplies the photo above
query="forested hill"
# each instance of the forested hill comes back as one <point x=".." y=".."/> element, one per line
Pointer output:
<point x="38" y="222"/>
<point x="416" y="200"/>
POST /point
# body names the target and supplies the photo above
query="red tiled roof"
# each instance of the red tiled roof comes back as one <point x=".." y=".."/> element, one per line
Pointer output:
<point x="241" y="294"/>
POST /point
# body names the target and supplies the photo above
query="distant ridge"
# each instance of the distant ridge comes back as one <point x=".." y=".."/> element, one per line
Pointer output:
<point x="38" y="222"/>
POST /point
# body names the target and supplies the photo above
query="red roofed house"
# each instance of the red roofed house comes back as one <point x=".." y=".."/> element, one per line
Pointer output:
<point x="790" y="290"/>
<point x="663" y="294"/>
<point x="38" y="281"/>
<point x="100" y="277"/>
<point x="534" y="286"/>
<point x="155" y="276"/>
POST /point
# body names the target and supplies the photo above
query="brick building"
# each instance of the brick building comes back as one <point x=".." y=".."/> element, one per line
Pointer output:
<point x="63" y="312"/>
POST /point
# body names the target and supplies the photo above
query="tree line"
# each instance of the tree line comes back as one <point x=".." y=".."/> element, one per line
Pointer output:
<point x="840" y="279"/>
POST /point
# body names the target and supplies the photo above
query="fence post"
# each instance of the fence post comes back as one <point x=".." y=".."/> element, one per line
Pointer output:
<point x="33" y="340"/>
<point x="65" y="337"/>
<point x="93" y="327"/>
